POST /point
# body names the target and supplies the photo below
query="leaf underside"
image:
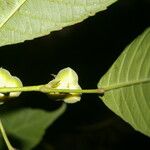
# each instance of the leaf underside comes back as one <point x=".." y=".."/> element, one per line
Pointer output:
<point x="128" y="81"/>
<point x="22" y="20"/>
<point x="28" y="125"/>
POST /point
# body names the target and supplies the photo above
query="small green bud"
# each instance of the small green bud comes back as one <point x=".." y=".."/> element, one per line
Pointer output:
<point x="7" y="80"/>
<point x="66" y="79"/>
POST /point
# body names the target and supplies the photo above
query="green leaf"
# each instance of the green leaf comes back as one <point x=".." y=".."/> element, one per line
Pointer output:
<point x="127" y="84"/>
<point x="28" y="125"/>
<point x="22" y="20"/>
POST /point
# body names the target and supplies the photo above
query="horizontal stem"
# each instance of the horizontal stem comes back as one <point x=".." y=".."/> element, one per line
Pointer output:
<point x="87" y="91"/>
<point x="45" y="89"/>
<point x="20" y="89"/>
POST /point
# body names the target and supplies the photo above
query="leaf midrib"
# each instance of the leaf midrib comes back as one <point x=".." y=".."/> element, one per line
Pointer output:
<point x="12" y="14"/>
<point x="125" y="84"/>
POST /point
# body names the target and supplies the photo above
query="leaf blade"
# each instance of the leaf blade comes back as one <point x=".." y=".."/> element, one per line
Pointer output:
<point x="131" y="101"/>
<point x="27" y="19"/>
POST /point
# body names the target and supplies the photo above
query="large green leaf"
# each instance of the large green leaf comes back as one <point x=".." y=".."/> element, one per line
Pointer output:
<point x="28" y="125"/>
<point x="127" y="84"/>
<point x="22" y="20"/>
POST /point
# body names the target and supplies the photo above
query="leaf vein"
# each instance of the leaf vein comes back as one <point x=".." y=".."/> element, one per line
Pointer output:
<point x="138" y="107"/>
<point x="12" y="14"/>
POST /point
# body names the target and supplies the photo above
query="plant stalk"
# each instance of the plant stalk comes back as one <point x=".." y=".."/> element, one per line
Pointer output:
<point x="5" y="137"/>
<point x="45" y="89"/>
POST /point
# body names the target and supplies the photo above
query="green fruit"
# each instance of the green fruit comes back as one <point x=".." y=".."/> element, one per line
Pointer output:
<point x="7" y="80"/>
<point x="65" y="79"/>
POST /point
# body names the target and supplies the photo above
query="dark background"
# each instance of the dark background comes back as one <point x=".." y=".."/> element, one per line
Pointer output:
<point x="89" y="48"/>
